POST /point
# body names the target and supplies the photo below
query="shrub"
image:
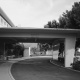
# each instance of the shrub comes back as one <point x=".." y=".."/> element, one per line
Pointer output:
<point x="76" y="65"/>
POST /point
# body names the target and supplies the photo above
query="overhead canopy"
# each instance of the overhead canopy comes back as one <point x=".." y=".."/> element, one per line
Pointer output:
<point x="36" y="34"/>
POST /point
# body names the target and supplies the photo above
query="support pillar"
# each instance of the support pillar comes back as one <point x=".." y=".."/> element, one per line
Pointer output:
<point x="29" y="51"/>
<point x="69" y="50"/>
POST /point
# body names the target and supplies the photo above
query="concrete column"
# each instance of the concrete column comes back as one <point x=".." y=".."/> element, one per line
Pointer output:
<point x="69" y="50"/>
<point x="26" y="52"/>
<point x="29" y="51"/>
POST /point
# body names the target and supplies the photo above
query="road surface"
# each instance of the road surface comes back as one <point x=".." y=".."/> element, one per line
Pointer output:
<point x="41" y="69"/>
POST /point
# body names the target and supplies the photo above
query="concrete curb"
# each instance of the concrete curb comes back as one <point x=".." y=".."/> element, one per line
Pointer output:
<point x="10" y="73"/>
<point x="64" y="67"/>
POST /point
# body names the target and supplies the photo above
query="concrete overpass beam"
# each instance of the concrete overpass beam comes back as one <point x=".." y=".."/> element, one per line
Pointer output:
<point x="69" y="50"/>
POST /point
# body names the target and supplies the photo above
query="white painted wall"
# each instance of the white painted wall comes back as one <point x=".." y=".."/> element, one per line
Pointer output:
<point x="26" y="52"/>
<point x="69" y="50"/>
<point x="30" y="45"/>
<point x="27" y="48"/>
<point x="49" y="52"/>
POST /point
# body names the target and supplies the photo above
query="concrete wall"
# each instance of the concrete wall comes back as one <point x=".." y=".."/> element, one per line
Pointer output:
<point x="49" y="52"/>
<point x="69" y="50"/>
<point x="26" y="52"/>
<point x="27" y="48"/>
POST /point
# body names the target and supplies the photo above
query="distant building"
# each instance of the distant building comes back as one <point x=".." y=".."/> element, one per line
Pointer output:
<point x="28" y="48"/>
<point x="4" y="20"/>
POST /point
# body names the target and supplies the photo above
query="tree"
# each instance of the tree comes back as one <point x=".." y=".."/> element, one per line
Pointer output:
<point x="54" y="24"/>
<point x="18" y="49"/>
<point x="76" y="14"/>
<point x="45" y="46"/>
<point x="46" y="26"/>
<point x="62" y="22"/>
<point x="49" y="23"/>
<point x="71" y="19"/>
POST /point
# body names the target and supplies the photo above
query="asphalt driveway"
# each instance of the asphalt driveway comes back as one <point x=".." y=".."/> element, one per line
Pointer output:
<point x="41" y="69"/>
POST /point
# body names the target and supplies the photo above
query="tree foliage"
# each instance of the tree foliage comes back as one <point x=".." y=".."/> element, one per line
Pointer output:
<point x="45" y="46"/>
<point x="18" y="49"/>
<point x="69" y="19"/>
<point x="52" y="24"/>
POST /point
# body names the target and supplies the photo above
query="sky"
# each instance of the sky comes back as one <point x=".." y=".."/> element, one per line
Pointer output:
<point x="35" y="13"/>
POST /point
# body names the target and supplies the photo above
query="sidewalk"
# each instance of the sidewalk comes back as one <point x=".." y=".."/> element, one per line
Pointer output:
<point x="4" y="71"/>
<point x="5" y="67"/>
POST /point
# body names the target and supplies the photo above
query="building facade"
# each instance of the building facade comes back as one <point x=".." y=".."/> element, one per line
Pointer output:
<point x="4" y="20"/>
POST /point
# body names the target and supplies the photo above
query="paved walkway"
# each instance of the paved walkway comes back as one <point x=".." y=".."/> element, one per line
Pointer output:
<point x="4" y="71"/>
<point x="5" y="67"/>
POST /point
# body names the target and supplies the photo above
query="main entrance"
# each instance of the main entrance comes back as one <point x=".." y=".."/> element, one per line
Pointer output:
<point x="68" y="36"/>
